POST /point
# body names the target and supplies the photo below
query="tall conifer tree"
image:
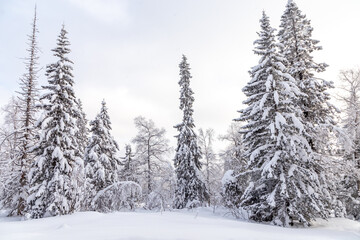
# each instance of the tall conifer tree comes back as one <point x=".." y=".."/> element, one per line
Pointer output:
<point x="130" y="170"/>
<point x="83" y="133"/>
<point x="54" y="189"/>
<point x="101" y="161"/>
<point x="190" y="187"/>
<point x="285" y="187"/>
<point x="297" y="46"/>
<point x="82" y="138"/>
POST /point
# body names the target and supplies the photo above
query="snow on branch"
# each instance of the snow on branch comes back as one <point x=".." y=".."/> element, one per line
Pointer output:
<point x="118" y="196"/>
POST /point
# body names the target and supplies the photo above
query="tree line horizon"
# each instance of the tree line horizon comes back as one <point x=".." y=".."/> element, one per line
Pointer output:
<point x="289" y="159"/>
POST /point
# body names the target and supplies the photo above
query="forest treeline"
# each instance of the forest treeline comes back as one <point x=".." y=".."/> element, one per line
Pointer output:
<point x="291" y="157"/>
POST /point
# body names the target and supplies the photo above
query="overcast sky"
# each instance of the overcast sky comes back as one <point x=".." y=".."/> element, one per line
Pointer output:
<point x="128" y="52"/>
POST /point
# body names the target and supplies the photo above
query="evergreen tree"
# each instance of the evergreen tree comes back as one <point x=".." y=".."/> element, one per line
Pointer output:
<point x="129" y="171"/>
<point x="297" y="46"/>
<point x="54" y="190"/>
<point x="285" y="184"/>
<point x="190" y="187"/>
<point x="82" y="137"/>
<point x="101" y="161"/>
<point x="17" y="184"/>
<point x="83" y="133"/>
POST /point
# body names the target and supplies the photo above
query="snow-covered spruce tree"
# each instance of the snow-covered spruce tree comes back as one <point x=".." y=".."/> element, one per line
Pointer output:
<point x="129" y="171"/>
<point x="17" y="185"/>
<point x="82" y="137"/>
<point x="101" y="161"/>
<point x="285" y="186"/>
<point x="190" y="187"/>
<point x="83" y="133"/>
<point x="297" y="46"/>
<point x="54" y="189"/>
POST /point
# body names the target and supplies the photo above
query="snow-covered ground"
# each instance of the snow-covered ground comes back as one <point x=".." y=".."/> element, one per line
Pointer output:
<point x="197" y="225"/>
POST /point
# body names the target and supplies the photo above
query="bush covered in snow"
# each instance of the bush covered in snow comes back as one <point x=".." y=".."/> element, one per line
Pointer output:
<point x="118" y="196"/>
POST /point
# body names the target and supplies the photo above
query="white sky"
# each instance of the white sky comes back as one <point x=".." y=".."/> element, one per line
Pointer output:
<point x="128" y="52"/>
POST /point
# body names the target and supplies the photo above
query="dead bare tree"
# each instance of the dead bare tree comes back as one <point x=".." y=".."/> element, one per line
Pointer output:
<point x="16" y="198"/>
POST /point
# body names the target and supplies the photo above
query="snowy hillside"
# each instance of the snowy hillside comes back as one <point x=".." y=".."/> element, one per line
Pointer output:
<point x="183" y="224"/>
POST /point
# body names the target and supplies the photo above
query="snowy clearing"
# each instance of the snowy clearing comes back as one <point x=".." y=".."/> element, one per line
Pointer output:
<point x="197" y="224"/>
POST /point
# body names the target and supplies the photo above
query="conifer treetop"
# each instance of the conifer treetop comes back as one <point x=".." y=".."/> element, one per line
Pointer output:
<point x="104" y="115"/>
<point x="62" y="45"/>
<point x="296" y="43"/>
<point x="186" y="94"/>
